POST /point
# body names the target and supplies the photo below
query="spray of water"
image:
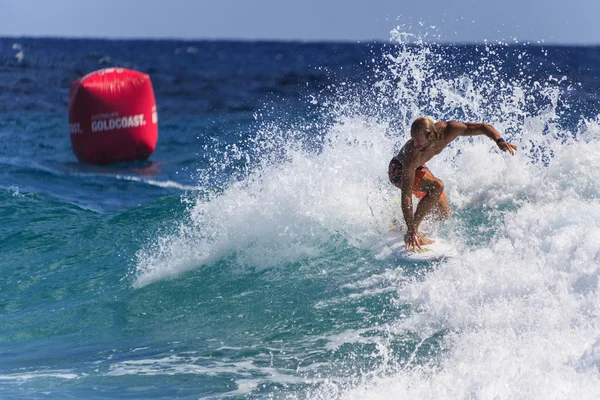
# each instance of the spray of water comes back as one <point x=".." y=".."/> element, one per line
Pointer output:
<point x="519" y="306"/>
<point x="519" y="312"/>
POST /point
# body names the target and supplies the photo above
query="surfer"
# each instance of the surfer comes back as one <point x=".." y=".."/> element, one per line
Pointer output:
<point x="408" y="171"/>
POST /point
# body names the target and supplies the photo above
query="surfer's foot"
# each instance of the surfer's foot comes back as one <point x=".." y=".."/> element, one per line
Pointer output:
<point x="425" y="241"/>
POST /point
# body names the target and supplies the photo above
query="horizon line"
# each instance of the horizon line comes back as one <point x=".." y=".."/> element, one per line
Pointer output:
<point x="298" y="40"/>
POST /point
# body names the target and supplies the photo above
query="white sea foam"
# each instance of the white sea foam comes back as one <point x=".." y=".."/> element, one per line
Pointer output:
<point x="523" y="313"/>
<point x="286" y="212"/>
<point x="247" y="375"/>
<point x="155" y="182"/>
<point x="30" y="375"/>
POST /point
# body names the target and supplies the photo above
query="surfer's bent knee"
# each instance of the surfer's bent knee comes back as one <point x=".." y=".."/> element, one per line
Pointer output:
<point x="435" y="188"/>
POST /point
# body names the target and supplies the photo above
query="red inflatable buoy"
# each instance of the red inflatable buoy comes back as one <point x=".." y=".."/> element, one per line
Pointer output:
<point x="112" y="116"/>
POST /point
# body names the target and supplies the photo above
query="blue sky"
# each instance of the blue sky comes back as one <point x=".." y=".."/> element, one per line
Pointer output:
<point x="550" y="21"/>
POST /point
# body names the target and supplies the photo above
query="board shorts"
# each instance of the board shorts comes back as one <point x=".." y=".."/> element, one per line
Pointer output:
<point x="395" y="176"/>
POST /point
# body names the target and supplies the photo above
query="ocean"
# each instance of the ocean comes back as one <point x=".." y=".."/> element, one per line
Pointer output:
<point x="244" y="259"/>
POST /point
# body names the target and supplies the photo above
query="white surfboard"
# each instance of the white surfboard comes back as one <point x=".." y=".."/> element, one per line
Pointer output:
<point x="431" y="252"/>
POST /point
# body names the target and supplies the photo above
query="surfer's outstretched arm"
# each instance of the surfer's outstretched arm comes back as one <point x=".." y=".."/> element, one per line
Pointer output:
<point x="453" y="129"/>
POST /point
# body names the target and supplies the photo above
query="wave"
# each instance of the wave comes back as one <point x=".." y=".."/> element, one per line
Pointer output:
<point x="516" y="311"/>
<point x="299" y="184"/>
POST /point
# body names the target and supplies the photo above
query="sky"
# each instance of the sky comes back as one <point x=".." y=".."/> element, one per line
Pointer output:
<point x="545" y="21"/>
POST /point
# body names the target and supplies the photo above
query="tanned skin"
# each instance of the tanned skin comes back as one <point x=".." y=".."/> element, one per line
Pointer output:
<point x="421" y="148"/>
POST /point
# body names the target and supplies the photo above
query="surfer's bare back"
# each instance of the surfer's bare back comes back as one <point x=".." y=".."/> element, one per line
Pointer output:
<point x="408" y="171"/>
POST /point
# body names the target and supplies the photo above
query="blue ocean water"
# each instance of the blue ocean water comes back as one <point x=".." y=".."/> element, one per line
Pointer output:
<point x="244" y="259"/>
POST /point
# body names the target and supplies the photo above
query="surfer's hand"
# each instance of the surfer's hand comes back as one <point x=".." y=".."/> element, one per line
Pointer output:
<point x="412" y="240"/>
<point x="505" y="146"/>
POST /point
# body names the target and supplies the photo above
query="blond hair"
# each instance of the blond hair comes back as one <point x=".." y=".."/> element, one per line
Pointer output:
<point x="423" y="124"/>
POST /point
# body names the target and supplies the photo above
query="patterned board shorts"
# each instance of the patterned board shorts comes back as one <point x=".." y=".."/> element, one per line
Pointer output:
<point x="395" y="176"/>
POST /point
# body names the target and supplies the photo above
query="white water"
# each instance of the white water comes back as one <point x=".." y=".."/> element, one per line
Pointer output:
<point x="522" y="310"/>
